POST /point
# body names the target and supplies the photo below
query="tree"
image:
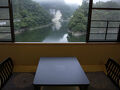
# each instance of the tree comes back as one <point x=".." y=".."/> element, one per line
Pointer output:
<point x="78" y="21"/>
<point x="29" y="14"/>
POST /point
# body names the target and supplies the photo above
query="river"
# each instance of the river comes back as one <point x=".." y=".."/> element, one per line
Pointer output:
<point x="54" y="33"/>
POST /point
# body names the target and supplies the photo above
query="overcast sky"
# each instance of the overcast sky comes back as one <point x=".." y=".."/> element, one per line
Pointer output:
<point x="101" y="0"/>
<point x="72" y="1"/>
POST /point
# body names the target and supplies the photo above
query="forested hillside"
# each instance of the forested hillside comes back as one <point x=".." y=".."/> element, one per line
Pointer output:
<point x="28" y="13"/>
<point x="79" y="20"/>
<point x="66" y="10"/>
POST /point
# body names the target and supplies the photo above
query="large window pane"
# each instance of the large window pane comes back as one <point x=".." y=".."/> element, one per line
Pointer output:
<point x="5" y="36"/>
<point x="114" y="24"/>
<point x="56" y="21"/>
<point x="112" y="33"/>
<point x="97" y="34"/>
<point x="3" y="2"/>
<point x="105" y="25"/>
<point x="101" y="37"/>
<point x="113" y="30"/>
<point x="105" y="20"/>
<point x="4" y="23"/>
<point x="98" y="24"/>
<point x="97" y="37"/>
<point x="97" y="30"/>
<point x="106" y="3"/>
<point x="112" y="36"/>
<point x="5" y="29"/>
<point x="106" y="15"/>
<point x="4" y="13"/>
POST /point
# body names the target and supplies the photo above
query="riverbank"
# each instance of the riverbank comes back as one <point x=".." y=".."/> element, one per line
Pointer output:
<point x="23" y="30"/>
<point x="76" y="34"/>
<point x="31" y="29"/>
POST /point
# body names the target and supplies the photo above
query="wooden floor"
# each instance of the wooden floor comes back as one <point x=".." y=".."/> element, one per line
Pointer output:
<point x="23" y="81"/>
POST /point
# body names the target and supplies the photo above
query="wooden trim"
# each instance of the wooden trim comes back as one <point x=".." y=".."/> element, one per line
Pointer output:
<point x="104" y="27"/>
<point x="4" y="19"/>
<point x="89" y="20"/>
<point x="106" y="8"/>
<point x="4" y="6"/>
<point x="106" y="20"/>
<point x="11" y="20"/>
<point x="5" y="26"/>
<point x="102" y="33"/>
<point x="64" y="44"/>
<point x="94" y="40"/>
<point x="7" y="40"/>
<point x="118" y="38"/>
<point x="5" y="32"/>
<point x="106" y="30"/>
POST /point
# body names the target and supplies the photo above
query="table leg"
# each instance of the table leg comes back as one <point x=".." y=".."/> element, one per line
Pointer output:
<point x="37" y="87"/>
<point x="83" y="87"/>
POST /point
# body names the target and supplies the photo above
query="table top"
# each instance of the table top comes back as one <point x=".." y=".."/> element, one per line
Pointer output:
<point x="60" y="71"/>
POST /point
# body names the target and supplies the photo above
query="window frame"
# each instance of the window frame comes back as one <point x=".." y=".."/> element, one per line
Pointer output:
<point x="91" y="8"/>
<point x="88" y="24"/>
<point x="9" y="7"/>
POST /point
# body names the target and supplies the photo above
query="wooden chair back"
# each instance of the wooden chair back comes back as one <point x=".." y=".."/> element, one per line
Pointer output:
<point x="113" y="71"/>
<point x="6" y="70"/>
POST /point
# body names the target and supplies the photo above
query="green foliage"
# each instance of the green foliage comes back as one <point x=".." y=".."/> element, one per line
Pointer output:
<point x="29" y="14"/>
<point x="78" y="21"/>
<point x="66" y="10"/>
<point x="76" y="39"/>
<point x="37" y="35"/>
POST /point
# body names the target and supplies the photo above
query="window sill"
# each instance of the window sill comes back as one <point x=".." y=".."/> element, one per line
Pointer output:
<point x="70" y="43"/>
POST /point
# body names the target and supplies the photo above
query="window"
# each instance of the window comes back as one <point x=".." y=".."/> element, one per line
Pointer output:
<point x="6" y="22"/>
<point x="105" y="20"/>
<point x="59" y="21"/>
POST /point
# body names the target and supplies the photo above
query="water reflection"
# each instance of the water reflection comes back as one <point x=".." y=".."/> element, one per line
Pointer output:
<point x="58" y="35"/>
<point x="72" y="38"/>
<point x="36" y="35"/>
<point x="64" y="39"/>
<point x="49" y="35"/>
<point x="46" y="34"/>
<point x="57" y="19"/>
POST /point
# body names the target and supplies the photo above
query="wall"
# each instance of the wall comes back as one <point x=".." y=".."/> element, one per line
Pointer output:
<point x="91" y="56"/>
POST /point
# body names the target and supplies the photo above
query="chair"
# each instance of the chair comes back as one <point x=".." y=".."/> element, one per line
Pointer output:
<point x="6" y="70"/>
<point x="113" y="71"/>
